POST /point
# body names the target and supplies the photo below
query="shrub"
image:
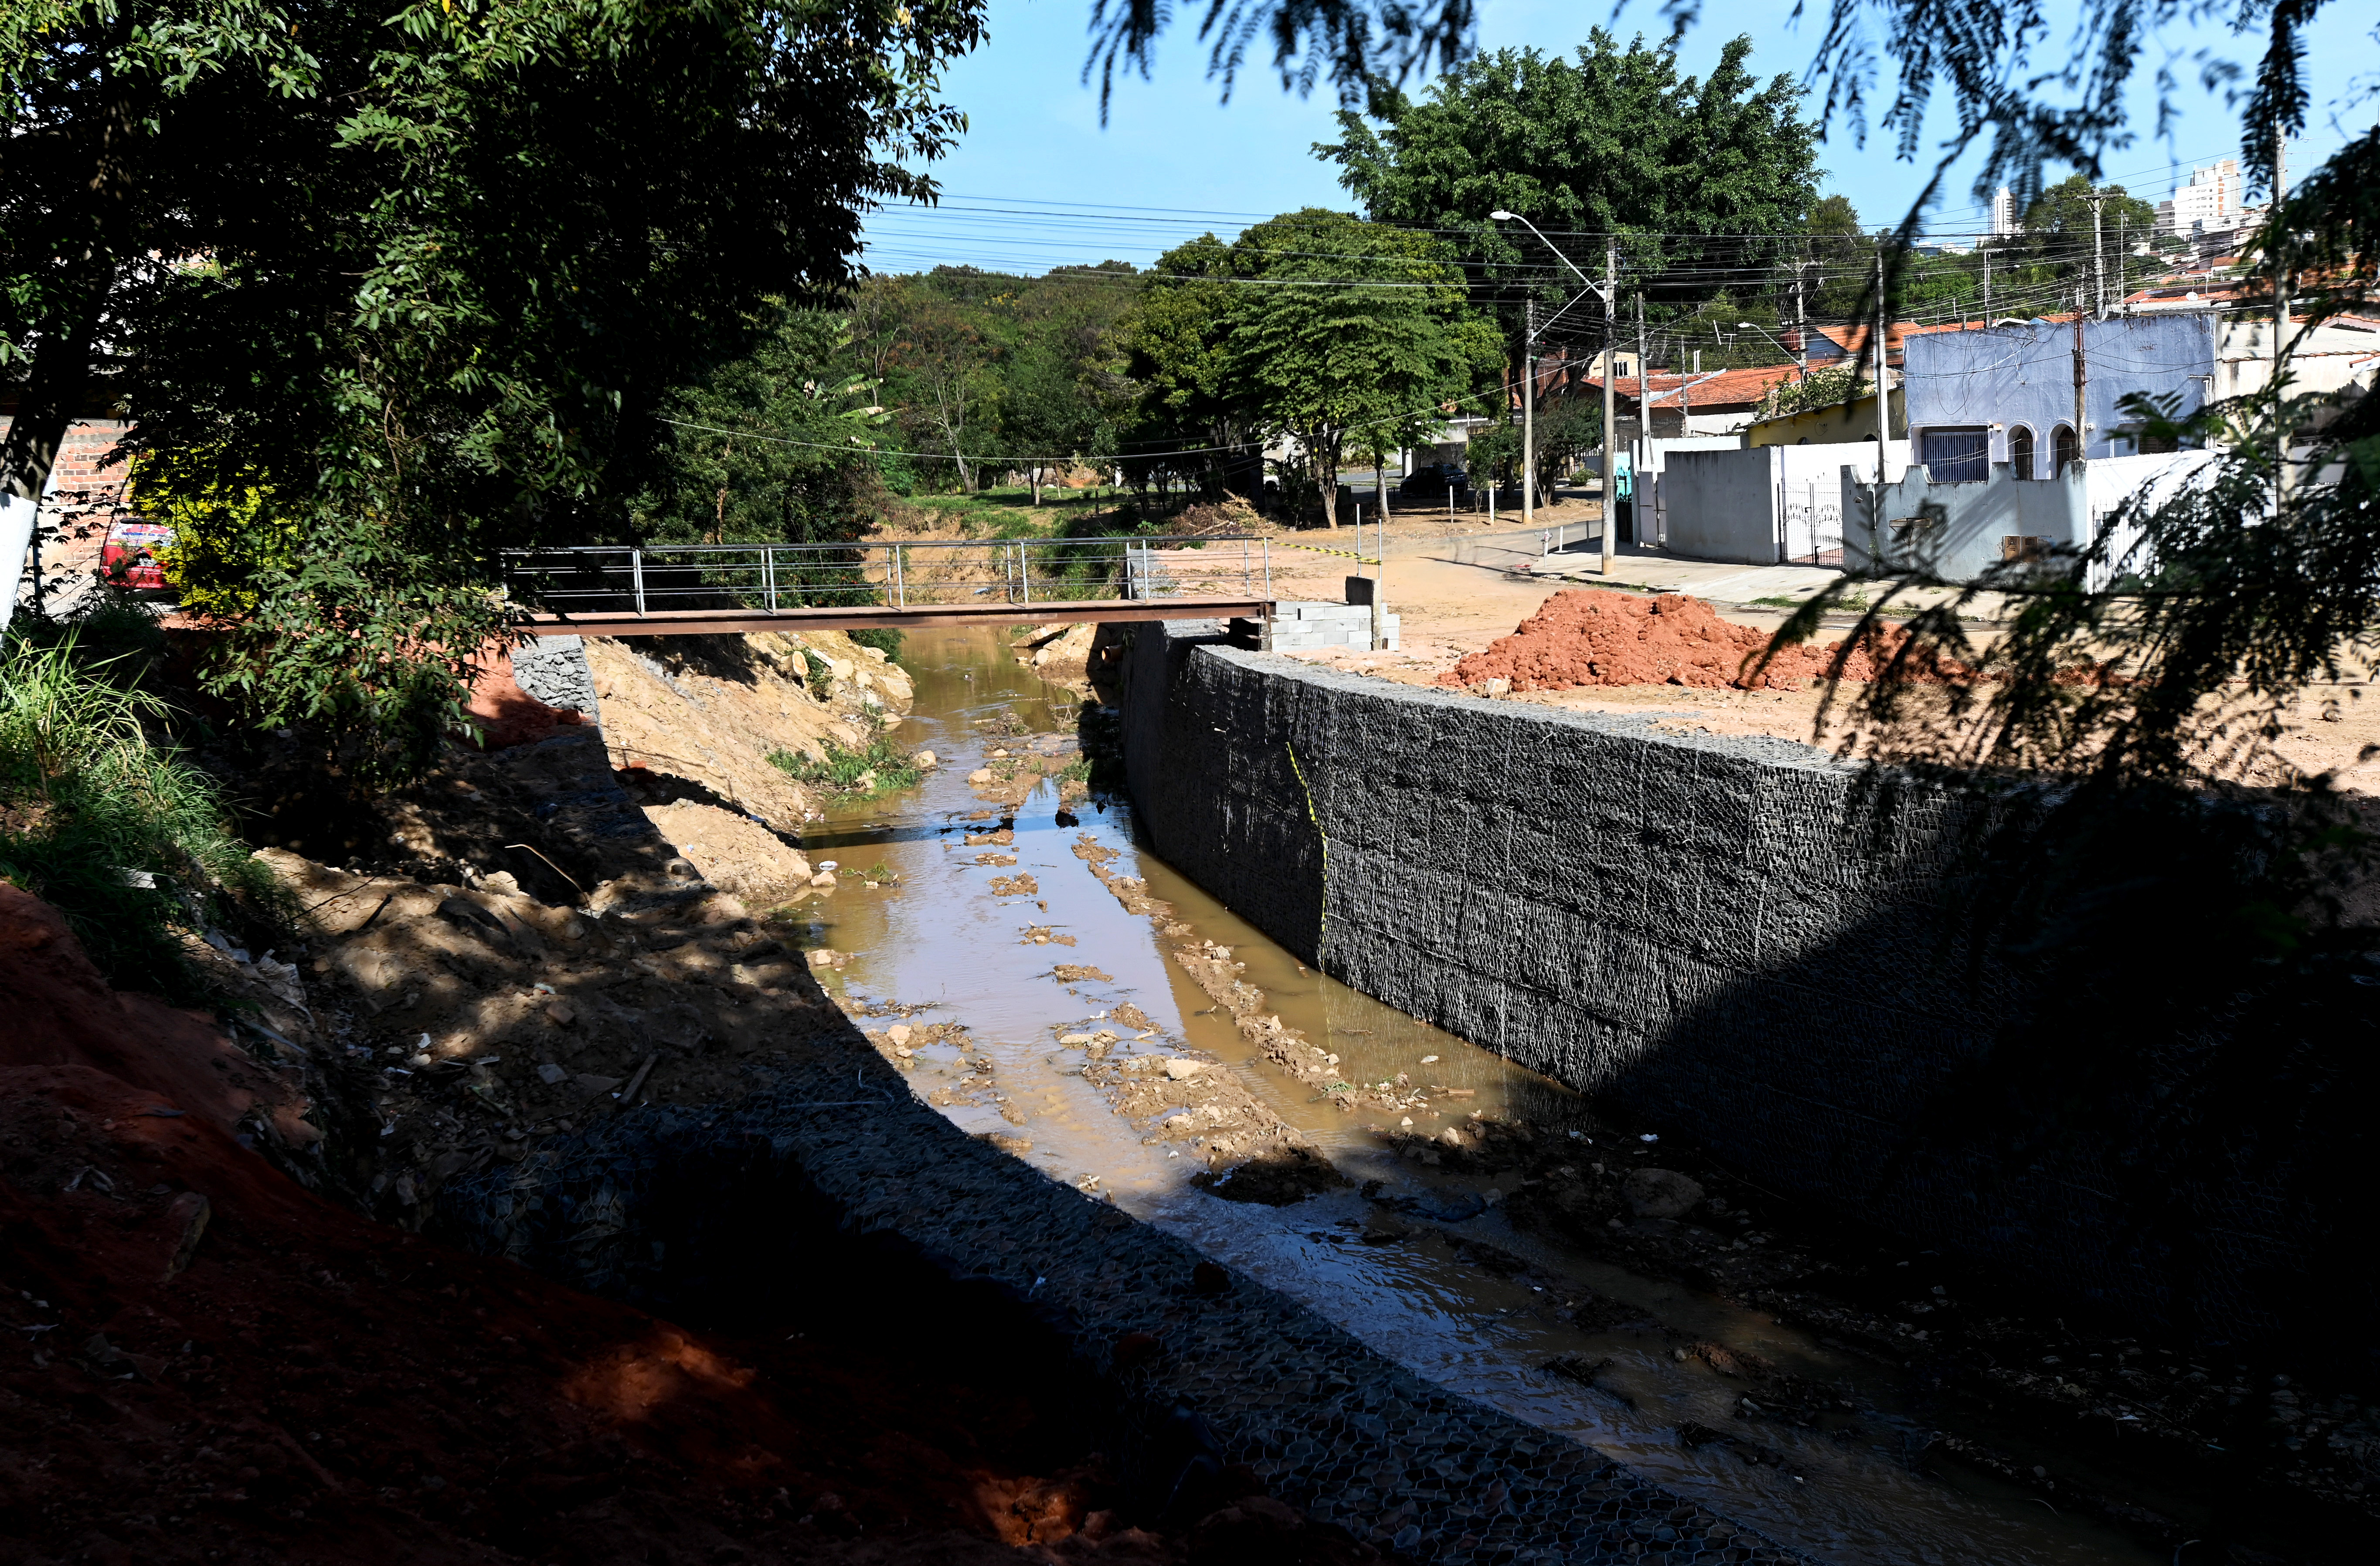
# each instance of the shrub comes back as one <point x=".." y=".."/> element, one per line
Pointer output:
<point x="883" y="638"/>
<point x="875" y="767"/>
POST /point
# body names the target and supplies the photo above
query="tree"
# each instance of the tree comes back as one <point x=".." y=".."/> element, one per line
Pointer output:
<point x="423" y="274"/>
<point x="1178" y="360"/>
<point x="1607" y="141"/>
<point x="1343" y="330"/>
<point x="771" y="447"/>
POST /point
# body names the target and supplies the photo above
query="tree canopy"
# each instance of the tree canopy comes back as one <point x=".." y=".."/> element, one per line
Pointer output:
<point x="1607" y="141"/>
<point x="421" y="276"/>
<point x="1314" y="326"/>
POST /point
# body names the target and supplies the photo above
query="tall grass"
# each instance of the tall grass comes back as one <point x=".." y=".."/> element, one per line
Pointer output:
<point x="116" y="831"/>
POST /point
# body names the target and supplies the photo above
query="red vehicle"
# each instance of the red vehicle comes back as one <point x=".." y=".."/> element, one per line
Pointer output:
<point x="129" y="558"/>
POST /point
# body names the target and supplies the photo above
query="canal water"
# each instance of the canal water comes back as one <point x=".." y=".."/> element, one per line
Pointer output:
<point x="932" y="940"/>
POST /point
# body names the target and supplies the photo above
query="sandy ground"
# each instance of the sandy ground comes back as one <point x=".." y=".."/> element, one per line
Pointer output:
<point x="1457" y="587"/>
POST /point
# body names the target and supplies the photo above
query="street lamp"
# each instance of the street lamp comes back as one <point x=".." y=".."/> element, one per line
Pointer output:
<point x="1603" y="291"/>
<point x="1751" y="326"/>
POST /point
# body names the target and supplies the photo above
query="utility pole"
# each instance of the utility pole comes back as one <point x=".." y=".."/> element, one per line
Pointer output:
<point x="1610" y="400"/>
<point x="1529" y="413"/>
<point x="1883" y="376"/>
<point x="1987" y="284"/>
<point x="2280" y="313"/>
<point x="2081" y="378"/>
<point x="2098" y="258"/>
<point x="1643" y="412"/>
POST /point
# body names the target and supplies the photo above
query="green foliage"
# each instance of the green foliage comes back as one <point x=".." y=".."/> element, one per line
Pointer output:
<point x="90" y="806"/>
<point x="878" y="767"/>
<point x="1366" y="337"/>
<point x="369" y="640"/>
<point x="883" y="638"/>
<point x="819" y="675"/>
<point x="1820" y="388"/>
<point x="457" y="252"/>
<point x="1607" y="140"/>
<point x="993" y="373"/>
<point x="771" y="447"/>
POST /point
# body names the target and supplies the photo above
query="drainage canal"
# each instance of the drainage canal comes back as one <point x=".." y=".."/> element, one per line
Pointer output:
<point x="1418" y="1261"/>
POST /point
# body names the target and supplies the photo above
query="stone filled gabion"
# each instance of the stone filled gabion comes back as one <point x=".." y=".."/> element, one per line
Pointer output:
<point x="1740" y="938"/>
<point x="645" y="1208"/>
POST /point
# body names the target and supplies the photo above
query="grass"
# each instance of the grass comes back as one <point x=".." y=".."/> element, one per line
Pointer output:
<point x="875" y="767"/>
<point x="107" y="824"/>
<point x="1778" y="603"/>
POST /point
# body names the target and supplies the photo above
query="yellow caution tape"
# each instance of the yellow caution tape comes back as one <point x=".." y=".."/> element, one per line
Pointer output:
<point x="1341" y="553"/>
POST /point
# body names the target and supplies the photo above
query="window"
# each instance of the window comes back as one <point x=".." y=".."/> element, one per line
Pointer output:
<point x="2021" y="450"/>
<point x="2062" y="449"/>
<point x="1956" y="457"/>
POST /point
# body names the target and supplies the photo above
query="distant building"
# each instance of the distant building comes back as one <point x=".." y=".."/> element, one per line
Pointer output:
<point x="2004" y="223"/>
<point x="2209" y="201"/>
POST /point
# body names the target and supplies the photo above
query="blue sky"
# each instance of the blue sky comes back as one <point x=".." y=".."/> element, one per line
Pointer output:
<point x="1037" y="182"/>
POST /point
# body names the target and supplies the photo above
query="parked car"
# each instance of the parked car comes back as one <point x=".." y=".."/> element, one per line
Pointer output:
<point x="128" y="556"/>
<point x="1432" y="481"/>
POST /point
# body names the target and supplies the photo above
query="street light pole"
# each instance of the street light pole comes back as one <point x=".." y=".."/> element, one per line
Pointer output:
<point x="1607" y="292"/>
<point x="1610" y="402"/>
<point x="1529" y="413"/>
<point x="1753" y="326"/>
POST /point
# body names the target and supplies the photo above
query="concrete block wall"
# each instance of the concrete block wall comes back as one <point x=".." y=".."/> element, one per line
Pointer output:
<point x="1718" y="932"/>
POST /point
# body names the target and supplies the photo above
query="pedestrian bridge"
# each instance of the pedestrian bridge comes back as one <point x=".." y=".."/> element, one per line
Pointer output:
<point x="693" y="589"/>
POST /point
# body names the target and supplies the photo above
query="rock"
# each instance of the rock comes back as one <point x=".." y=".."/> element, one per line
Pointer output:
<point x="923" y="760"/>
<point x="1136" y="1347"/>
<point x="1078" y="1038"/>
<point x="549" y="1073"/>
<point x="591" y="1085"/>
<point x="1181" y="1069"/>
<point x="821" y="956"/>
<point x="1660" y="1193"/>
<point x="563" y="1012"/>
<point x="823" y="880"/>
<point x="899" y="1033"/>
<point x="980" y="776"/>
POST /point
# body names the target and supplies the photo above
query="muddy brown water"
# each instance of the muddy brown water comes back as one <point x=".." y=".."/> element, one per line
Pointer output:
<point x="938" y="939"/>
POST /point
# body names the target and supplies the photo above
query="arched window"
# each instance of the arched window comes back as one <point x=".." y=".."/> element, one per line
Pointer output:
<point x="2063" y="449"/>
<point x="2021" y="450"/>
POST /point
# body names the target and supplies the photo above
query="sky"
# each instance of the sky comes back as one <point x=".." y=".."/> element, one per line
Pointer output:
<point x="1037" y="182"/>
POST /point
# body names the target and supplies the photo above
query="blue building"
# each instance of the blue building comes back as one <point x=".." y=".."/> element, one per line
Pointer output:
<point x="2005" y="395"/>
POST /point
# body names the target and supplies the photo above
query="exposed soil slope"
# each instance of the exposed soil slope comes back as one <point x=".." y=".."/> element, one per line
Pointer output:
<point x="205" y="1362"/>
<point x="711" y="710"/>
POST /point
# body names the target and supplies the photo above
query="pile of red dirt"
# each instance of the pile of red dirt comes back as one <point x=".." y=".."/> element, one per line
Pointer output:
<point x="200" y="1361"/>
<point x="1585" y="636"/>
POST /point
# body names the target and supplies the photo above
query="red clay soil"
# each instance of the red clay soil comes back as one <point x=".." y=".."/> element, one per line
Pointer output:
<point x="200" y="1361"/>
<point x="1585" y="636"/>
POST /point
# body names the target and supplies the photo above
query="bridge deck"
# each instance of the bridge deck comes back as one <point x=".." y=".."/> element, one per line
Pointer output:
<point x="715" y="622"/>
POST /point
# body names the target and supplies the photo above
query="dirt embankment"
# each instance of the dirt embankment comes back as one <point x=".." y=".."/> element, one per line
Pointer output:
<point x="205" y="1361"/>
<point x="691" y="724"/>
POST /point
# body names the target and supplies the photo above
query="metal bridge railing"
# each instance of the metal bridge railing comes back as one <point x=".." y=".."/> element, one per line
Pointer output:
<point x="616" y="578"/>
